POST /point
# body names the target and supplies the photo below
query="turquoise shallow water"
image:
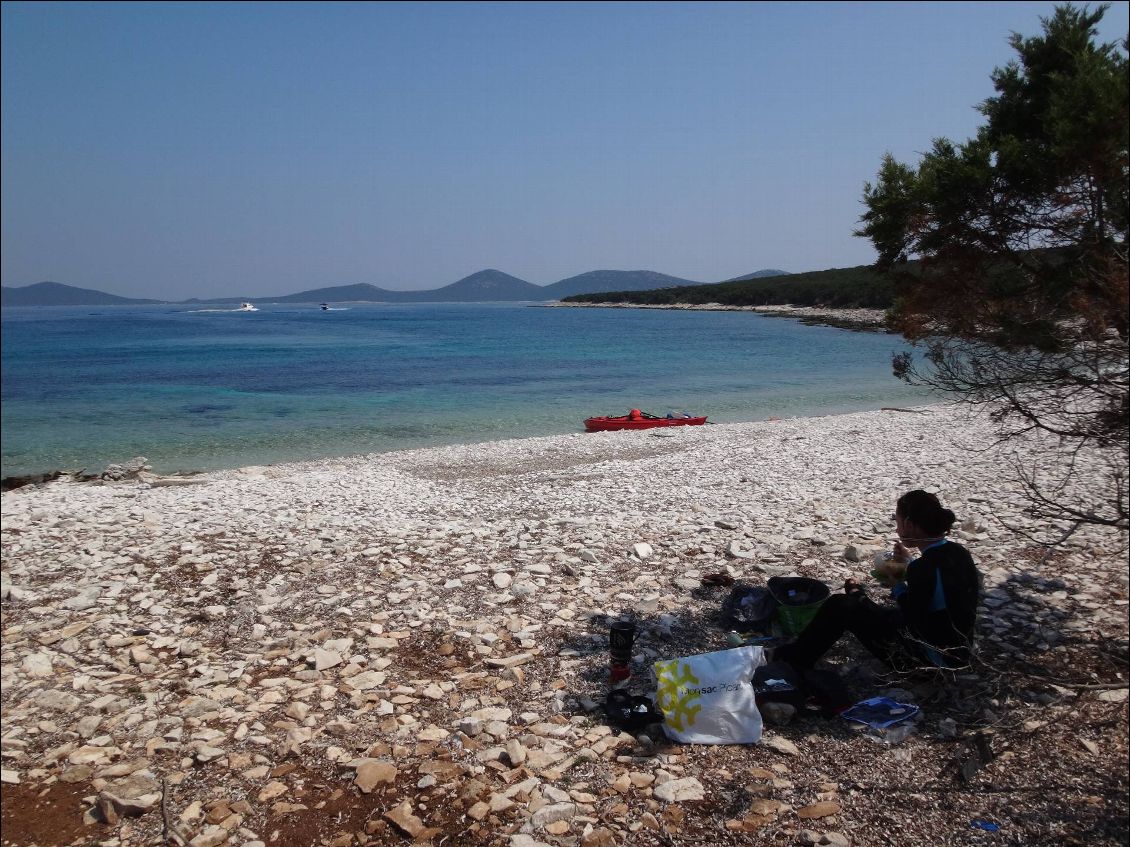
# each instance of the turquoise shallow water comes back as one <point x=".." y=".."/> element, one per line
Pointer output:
<point x="199" y="390"/>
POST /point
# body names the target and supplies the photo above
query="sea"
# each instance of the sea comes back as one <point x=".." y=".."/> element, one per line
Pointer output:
<point x="197" y="389"/>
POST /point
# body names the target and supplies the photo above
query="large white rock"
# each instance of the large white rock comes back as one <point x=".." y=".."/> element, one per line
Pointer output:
<point x="212" y="836"/>
<point x="680" y="790"/>
<point x="553" y="813"/>
<point x="60" y="701"/>
<point x="521" y="839"/>
<point x="132" y="796"/>
<point x="781" y="745"/>
<point x="37" y="665"/>
<point x="366" y="680"/>
<point x="735" y="550"/>
<point x="326" y="659"/>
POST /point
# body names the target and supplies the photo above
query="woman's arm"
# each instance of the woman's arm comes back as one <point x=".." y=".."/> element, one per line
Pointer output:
<point x="916" y="593"/>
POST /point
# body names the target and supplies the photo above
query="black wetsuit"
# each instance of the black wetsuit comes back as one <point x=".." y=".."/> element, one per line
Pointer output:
<point x="933" y="622"/>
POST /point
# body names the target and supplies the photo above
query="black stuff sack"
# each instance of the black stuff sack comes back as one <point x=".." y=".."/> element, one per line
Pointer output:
<point x="748" y="608"/>
<point x="827" y="691"/>
<point x="779" y="682"/>
<point x="631" y="713"/>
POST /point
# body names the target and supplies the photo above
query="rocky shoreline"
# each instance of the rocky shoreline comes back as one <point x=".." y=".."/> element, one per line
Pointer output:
<point x="859" y="320"/>
<point x="411" y="648"/>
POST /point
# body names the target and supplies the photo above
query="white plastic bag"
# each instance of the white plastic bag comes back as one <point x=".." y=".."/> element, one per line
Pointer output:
<point x="708" y="698"/>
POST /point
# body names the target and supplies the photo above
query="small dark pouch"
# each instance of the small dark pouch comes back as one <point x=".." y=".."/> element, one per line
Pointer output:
<point x="779" y="682"/>
<point x="631" y="713"/>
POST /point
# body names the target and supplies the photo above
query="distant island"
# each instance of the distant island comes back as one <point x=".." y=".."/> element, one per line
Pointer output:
<point x="484" y="286"/>
<point x="57" y="294"/>
<point x="861" y="287"/>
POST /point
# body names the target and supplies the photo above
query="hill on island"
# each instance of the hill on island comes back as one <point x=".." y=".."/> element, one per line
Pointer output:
<point x="758" y="275"/>
<point x="484" y="286"/>
<point x="613" y="281"/>
<point x="58" y="294"/>
<point x="488" y="285"/>
<point x="360" y="292"/>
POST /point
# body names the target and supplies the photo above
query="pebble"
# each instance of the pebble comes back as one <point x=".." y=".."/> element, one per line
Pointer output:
<point x="553" y="813"/>
<point x="402" y="816"/>
<point x="818" y="810"/>
<point x="680" y="790"/>
<point x="781" y="745"/>
<point x="373" y="773"/>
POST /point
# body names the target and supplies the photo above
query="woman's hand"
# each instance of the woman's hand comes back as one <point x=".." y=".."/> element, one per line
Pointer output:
<point x="900" y="554"/>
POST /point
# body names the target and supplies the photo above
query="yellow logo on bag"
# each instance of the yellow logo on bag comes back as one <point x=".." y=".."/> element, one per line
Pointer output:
<point x="677" y="708"/>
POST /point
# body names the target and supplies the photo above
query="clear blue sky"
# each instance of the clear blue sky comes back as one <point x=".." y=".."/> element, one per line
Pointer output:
<point x="204" y="149"/>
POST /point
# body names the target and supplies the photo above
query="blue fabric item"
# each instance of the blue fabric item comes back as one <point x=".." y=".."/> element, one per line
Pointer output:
<point x="940" y="610"/>
<point x="880" y="712"/>
<point x="935" y="657"/>
<point x="939" y="601"/>
<point x="985" y="825"/>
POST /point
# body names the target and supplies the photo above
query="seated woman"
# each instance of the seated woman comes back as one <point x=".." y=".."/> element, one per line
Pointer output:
<point x="936" y="596"/>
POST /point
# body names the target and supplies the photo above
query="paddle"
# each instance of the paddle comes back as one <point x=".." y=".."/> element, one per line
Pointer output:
<point x="651" y="417"/>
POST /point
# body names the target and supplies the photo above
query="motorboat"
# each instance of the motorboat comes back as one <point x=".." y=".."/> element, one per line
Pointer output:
<point x="636" y="419"/>
<point x="246" y="307"/>
<point x="325" y="307"/>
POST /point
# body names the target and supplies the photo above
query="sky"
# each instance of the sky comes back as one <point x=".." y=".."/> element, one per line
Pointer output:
<point x="176" y="150"/>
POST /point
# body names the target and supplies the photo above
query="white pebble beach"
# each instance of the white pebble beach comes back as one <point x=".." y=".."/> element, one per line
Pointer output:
<point x="400" y="626"/>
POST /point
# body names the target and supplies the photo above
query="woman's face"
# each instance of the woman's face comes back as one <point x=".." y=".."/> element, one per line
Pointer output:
<point x="907" y="530"/>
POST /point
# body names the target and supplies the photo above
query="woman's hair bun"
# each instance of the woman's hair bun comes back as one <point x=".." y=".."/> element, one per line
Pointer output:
<point x="926" y="512"/>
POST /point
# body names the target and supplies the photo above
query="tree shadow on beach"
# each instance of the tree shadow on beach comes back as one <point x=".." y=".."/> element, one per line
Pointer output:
<point x="658" y="636"/>
<point x="1030" y="645"/>
<point x="990" y="735"/>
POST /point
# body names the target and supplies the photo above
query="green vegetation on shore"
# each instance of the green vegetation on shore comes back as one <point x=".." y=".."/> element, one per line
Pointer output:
<point x="860" y="287"/>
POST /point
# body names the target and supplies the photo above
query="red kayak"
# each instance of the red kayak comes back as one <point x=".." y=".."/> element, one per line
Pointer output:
<point x="637" y="420"/>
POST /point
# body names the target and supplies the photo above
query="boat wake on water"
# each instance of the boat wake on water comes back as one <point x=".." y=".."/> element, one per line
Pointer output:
<point x="243" y="307"/>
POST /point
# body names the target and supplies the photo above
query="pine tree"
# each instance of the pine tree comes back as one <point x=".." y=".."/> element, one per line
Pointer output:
<point x="1018" y="300"/>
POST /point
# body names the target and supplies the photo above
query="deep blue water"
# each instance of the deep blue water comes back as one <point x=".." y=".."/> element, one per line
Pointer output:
<point x="84" y="387"/>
